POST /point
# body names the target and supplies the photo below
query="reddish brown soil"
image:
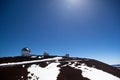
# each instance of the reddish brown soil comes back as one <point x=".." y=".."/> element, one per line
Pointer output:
<point x="69" y="73"/>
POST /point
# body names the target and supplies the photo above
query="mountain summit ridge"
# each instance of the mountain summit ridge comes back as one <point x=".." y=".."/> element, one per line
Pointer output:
<point x="56" y="68"/>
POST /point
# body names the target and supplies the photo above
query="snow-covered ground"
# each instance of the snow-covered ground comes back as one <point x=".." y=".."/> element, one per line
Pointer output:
<point x="33" y="61"/>
<point x="48" y="73"/>
<point x="51" y="72"/>
<point x="93" y="73"/>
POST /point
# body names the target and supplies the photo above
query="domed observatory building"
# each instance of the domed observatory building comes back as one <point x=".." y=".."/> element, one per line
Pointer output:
<point x="26" y="52"/>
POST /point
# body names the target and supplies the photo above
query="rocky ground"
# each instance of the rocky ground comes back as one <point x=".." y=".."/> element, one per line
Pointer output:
<point x="62" y="69"/>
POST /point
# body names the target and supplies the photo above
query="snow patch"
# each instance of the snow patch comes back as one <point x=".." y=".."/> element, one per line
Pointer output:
<point x="23" y="66"/>
<point x="33" y="56"/>
<point x="93" y="73"/>
<point x="33" y="61"/>
<point x="39" y="57"/>
<point x="48" y="73"/>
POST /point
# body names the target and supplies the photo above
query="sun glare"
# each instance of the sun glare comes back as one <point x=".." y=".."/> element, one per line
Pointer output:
<point x="73" y="3"/>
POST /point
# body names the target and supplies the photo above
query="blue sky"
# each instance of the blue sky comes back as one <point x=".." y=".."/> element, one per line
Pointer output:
<point x="82" y="28"/>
